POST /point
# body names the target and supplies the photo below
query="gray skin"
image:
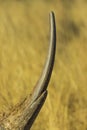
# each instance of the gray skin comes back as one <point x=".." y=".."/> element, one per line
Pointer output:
<point x="23" y="115"/>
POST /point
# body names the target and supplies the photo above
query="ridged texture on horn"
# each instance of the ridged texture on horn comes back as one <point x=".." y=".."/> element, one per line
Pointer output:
<point x="42" y="84"/>
<point x="24" y="114"/>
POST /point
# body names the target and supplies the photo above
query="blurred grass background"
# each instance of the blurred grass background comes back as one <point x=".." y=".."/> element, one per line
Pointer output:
<point x="24" y="37"/>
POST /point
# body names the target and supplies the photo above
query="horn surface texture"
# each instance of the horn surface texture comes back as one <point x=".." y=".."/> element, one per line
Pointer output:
<point x="23" y="115"/>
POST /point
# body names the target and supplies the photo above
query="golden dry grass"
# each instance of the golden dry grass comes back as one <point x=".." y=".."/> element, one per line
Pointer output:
<point x="24" y="32"/>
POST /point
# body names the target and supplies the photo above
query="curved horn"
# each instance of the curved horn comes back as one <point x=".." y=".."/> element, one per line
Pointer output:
<point x="41" y="86"/>
<point x="24" y="114"/>
<point x="46" y="74"/>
